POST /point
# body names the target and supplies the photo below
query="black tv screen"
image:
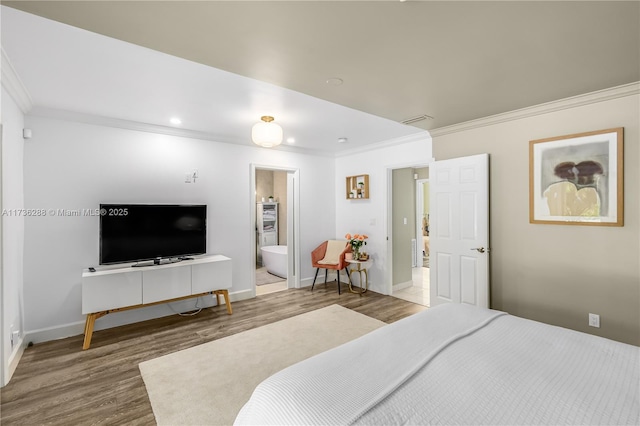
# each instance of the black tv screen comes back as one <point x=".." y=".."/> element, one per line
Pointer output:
<point x="136" y="232"/>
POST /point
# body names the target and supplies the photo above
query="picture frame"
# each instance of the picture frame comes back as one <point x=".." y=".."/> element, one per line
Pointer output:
<point x="577" y="179"/>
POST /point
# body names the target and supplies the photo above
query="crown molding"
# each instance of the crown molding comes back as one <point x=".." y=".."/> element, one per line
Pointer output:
<point x="545" y="108"/>
<point x="13" y="85"/>
<point x="422" y="135"/>
<point x="97" y="120"/>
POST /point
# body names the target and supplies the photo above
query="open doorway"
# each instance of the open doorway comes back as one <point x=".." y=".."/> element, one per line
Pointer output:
<point x="271" y="231"/>
<point x="274" y="228"/>
<point x="410" y="240"/>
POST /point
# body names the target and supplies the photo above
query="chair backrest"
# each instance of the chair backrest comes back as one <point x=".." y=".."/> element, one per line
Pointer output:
<point x="333" y="252"/>
<point x="324" y="255"/>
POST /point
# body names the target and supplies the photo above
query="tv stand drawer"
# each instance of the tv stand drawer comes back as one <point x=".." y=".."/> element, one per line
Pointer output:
<point x="210" y="276"/>
<point x="104" y="292"/>
<point x="165" y="284"/>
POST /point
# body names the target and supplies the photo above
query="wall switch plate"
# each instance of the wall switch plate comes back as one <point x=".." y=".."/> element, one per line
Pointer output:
<point x="594" y="320"/>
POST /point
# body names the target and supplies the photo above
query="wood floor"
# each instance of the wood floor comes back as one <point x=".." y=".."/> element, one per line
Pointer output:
<point x="57" y="383"/>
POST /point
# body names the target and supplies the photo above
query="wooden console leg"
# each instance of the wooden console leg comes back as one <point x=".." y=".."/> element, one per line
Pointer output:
<point x="224" y="293"/>
<point x="88" y="328"/>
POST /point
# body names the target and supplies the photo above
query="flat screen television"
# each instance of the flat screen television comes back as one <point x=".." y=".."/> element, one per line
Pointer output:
<point x="138" y="232"/>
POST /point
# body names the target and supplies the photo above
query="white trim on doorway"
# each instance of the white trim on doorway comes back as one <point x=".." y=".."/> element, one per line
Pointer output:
<point x="419" y="213"/>
<point x="388" y="220"/>
<point x="293" y="222"/>
<point x="3" y="336"/>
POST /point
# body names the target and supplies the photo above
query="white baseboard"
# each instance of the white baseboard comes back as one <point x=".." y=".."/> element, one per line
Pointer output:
<point x="241" y="295"/>
<point x="400" y="286"/>
<point x="307" y="282"/>
<point x="77" y="328"/>
<point x="14" y="359"/>
<point x="54" y="333"/>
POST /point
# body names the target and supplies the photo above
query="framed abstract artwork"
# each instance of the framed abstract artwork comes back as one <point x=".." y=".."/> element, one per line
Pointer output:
<point x="577" y="179"/>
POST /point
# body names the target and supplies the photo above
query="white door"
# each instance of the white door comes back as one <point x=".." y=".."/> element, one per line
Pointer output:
<point x="459" y="230"/>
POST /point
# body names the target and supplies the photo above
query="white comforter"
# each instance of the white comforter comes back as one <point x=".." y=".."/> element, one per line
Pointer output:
<point x="457" y="364"/>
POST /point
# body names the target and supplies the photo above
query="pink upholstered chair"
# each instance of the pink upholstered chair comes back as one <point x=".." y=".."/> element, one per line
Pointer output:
<point x="330" y="255"/>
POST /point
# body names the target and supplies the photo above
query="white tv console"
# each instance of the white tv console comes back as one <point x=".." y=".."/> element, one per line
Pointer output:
<point x="120" y="288"/>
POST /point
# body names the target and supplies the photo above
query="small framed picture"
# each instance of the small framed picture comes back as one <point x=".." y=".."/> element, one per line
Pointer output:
<point x="577" y="179"/>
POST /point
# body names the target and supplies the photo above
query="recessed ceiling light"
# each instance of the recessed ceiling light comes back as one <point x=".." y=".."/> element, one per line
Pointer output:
<point x="175" y="120"/>
<point x="335" y="81"/>
<point x="291" y="140"/>
<point x="342" y="140"/>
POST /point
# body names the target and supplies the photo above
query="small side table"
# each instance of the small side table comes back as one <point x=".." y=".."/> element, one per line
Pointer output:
<point x="359" y="266"/>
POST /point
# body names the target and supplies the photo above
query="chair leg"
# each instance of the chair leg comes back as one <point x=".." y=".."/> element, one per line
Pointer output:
<point x="338" y="271"/>
<point x="326" y="272"/>
<point x="314" y="278"/>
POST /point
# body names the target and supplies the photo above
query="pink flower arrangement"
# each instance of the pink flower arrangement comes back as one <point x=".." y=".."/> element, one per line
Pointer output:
<point x="356" y="241"/>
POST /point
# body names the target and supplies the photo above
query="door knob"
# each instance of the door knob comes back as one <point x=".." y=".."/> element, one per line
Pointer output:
<point x="479" y="249"/>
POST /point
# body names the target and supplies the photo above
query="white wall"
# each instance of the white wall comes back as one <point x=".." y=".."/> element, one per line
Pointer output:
<point x="370" y="216"/>
<point x="70" y="165"/>
<point x="12" y="231"/>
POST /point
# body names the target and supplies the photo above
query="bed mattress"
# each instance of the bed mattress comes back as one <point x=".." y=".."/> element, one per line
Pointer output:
<point x="458" y="364"/>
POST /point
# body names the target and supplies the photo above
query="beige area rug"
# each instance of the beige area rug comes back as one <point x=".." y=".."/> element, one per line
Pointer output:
<point x="264" y="277"/>
<point x="208" y="384"/>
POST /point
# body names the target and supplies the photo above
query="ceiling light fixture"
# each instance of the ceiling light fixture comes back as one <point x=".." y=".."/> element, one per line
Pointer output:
<point x="266" y="133"/>
<point x="291" y="140"/>
<point x="335" y="81"/>
<point x="342" y="140"/>
<point x="176" y="121"/>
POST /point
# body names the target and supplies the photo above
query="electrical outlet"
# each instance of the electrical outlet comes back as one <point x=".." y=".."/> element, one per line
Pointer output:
<point x="187" y="178"/>
<point x="594" y="320"/>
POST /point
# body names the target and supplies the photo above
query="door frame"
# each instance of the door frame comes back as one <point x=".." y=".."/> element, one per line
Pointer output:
<point x="3" y="333"/>
<point x="388" y="275"/>
<point x="419" y="212"/>
<point x="293" y="223"/>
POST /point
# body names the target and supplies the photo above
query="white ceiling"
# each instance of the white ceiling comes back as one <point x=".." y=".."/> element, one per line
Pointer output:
<point x="455" y="61"/>
<point x="73" y="70"/>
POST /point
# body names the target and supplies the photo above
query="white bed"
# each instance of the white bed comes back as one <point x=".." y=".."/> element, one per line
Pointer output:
<point x="457" y="364"/>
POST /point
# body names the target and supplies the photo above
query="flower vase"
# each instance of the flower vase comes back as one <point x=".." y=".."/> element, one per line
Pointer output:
<point x="356" y="254"/>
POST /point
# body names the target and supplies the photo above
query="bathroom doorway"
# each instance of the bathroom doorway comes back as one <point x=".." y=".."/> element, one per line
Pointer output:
<point x="273" y="220"/>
